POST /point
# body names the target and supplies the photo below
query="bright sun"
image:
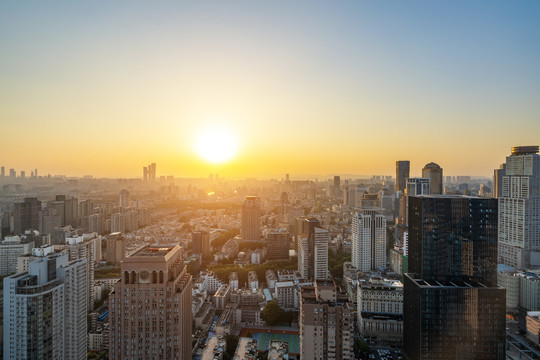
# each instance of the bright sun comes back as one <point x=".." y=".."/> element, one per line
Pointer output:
<point x="216" y="145"/>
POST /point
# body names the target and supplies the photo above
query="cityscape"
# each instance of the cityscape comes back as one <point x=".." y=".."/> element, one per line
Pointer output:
<point x="266" y="181"/>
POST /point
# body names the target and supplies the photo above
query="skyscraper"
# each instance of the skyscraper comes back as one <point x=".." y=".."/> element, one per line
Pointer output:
<point x="26" y="215"/>
<point x="48" y="220"/>
<point x="45" y="310"/>
<point x="326" y="323"/>
<point x="368" y="239"/>
<point x="116" y="248"/>
<point x="519" y="208"/>
<point x="453" y="308"/>
<point x="124" y="201"/>
<point x="251" y="219"/>
<point x="152" y="172"/>
<point x="71" y="211"/>
<point x="87" y="246"/>
<point x="200" y="243"/>
<point x="402" y="173"/>
<point x="337" y="186"/>
<point x="150" y="306"/>
<point x="497" y="181"/>
<point x="434" y="172"/>
<point x="277" y="243"/>
<point x="414" y="187"/>
<point x="313" y="250"/>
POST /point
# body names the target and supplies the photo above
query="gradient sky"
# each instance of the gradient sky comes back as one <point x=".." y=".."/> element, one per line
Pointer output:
<point x="105" y="87"/>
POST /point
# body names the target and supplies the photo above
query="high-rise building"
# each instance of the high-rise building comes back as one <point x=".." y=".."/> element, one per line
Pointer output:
<point x="452" y="307"/>
<point x="519" y="208"/>
<point x="497" y="181"/>
<point x="118" y="223"/>
<point x="12" y="173"/>
<point x="414" y="187"/>
<point x="326" y="323"/>
<point x="418" y="186"/>
<point x="124" y="201"/>
<point x="152" y="172"/>
<point x="116" y="248"/>
<point x="200" y="243"/>
<point x="10" y="249"/>
<point x="251" y="219"/>
<point x="95" y="223"/>
<point x="349" y="196"/>
<point x="3" y="172"/>
<point x="402" y="173"/>
<point x="45" y="310"/>
<point x="26" y="215"/>
<point x="150" y="306"/>
<point x="337" y="186"/>
<point x="145" y="174"/>
<point x="68" y="209"/>
<point x="434" y="172"/>
<point x="87" y="246"/>
<point x="368" y="239"/>
<point x="49" y="220"/>
<point x="313" y="250"/>
<point x="277" y="244"/>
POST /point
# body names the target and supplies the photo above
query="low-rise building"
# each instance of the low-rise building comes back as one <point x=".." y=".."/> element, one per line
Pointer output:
<point x="286" y="294"/>
<point x="253" y="280"/>
<point x="288" y="275"/>
<point x="215" y="348"/>
<point x="278" y="350"/>
<point x="246" y="349"/>
<point x="271" y="279"/>
<point x="380" y="310"/>
<point x="533" y="327"/>
<point x="233" y="280"/>
<point x="222" y="296"/>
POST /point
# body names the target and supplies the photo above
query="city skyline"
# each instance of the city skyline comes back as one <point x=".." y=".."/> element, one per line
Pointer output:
<point x="304" y="89"/>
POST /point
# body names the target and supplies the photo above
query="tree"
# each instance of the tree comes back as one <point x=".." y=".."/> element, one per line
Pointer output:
<point x="232" y="343"/>
<point x="362" y="347"/>
<point x="272" y="312"/>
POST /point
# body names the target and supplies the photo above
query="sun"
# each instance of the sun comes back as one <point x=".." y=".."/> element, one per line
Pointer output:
<point x="216" y="145"/>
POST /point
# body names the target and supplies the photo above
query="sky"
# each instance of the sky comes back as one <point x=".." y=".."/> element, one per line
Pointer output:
<point x="305" y="87"/>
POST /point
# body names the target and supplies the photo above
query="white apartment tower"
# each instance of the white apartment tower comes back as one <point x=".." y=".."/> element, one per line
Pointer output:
<point x="519" y="209"/>
<point x="45" y="310"/>
<point x="368" y="239"/>
<point x="87" y="246"/>
<point x="322" y="237"/>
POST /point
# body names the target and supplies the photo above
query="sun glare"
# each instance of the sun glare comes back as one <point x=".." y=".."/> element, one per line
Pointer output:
<point x="216" y="145"/>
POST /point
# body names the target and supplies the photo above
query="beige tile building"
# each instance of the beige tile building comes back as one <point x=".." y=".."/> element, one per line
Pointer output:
<point x="150" y="306"/>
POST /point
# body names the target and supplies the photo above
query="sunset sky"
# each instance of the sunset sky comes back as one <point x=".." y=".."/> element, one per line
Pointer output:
<point x="304" y="87"/>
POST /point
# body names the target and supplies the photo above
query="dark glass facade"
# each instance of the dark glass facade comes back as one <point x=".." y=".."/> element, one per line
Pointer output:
<point x="453" y="237"/>
<point x="452" y="307"/>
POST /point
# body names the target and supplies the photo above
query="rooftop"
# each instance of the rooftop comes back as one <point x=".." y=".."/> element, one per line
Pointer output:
<point x="430" y="283"/>
<point x="154" y="250"/>
<point x="524" y="150"/>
